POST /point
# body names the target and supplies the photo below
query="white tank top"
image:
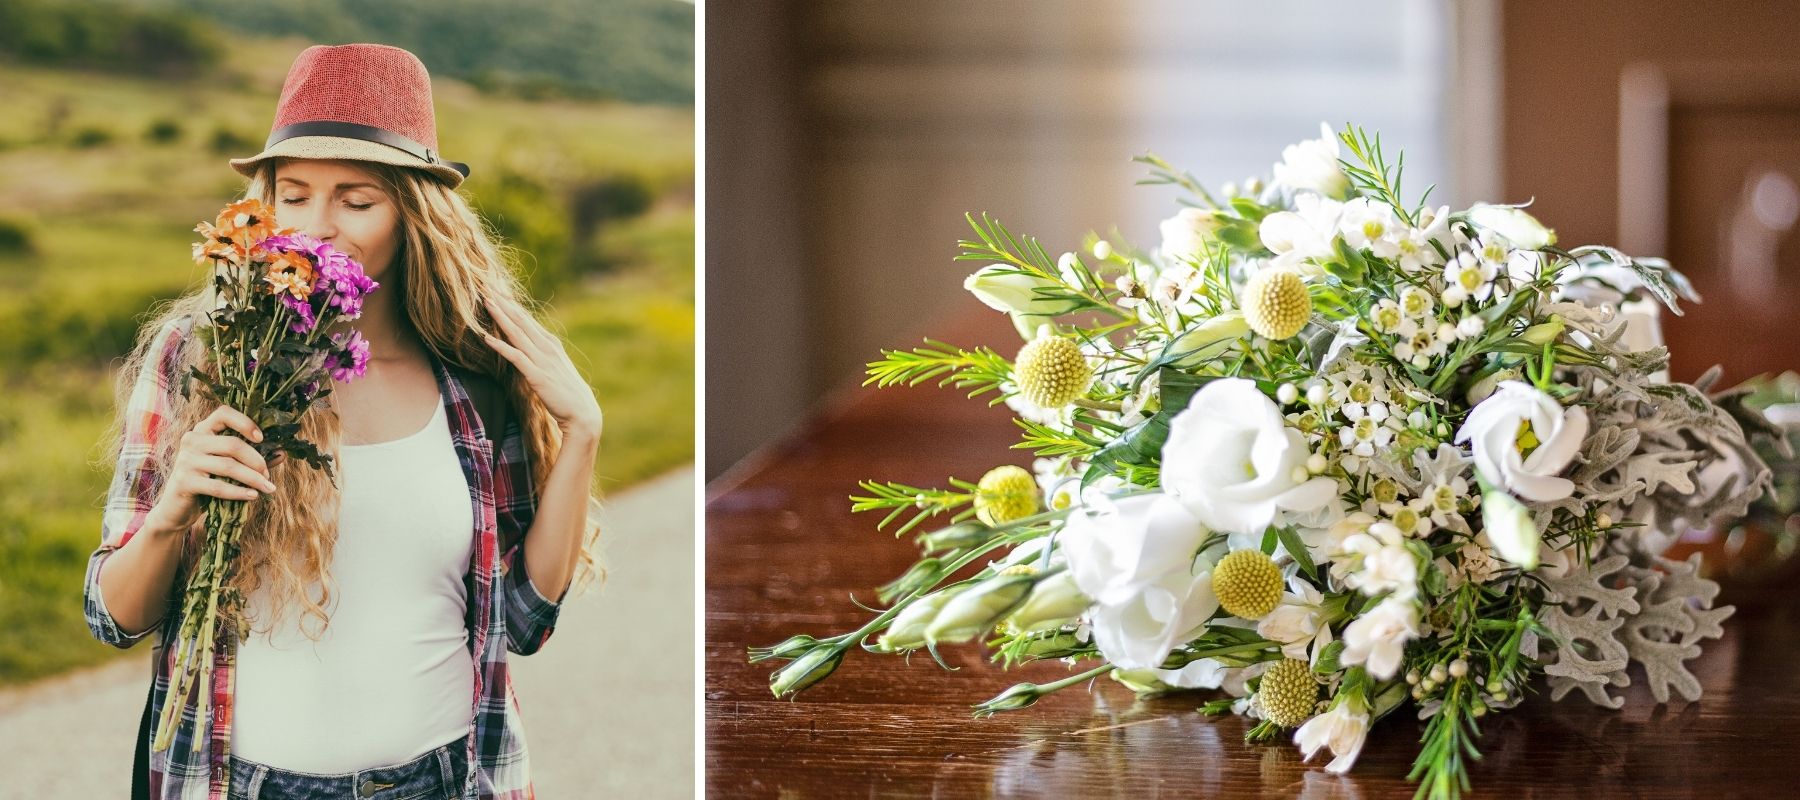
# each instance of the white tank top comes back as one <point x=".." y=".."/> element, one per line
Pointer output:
<point x="390" y="677"/>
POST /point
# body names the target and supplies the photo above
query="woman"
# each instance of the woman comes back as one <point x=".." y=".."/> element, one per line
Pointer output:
<point x="380" y="610"/>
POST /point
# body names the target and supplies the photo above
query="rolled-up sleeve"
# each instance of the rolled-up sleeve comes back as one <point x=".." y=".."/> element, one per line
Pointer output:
<point x="136" y="481"/>
<point x="530" y="616"/>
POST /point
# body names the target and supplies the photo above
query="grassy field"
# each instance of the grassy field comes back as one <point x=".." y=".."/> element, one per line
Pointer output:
<point x="102" y="178"/>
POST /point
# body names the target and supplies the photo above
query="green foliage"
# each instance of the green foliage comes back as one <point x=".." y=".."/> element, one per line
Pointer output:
<point x="639" y="51"/>
<point x="91" y="136"/>
<point x="108" y="36"/>
<point x="18" y="235"/>
<point x="163" y="131"/>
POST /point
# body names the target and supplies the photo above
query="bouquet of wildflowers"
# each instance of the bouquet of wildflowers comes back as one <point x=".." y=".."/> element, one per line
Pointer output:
<point x="278" y="291"/>
<point x="1326" y="451"/>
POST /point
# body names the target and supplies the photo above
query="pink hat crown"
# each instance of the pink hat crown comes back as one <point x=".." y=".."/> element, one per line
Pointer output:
<point x="364" y="84"/>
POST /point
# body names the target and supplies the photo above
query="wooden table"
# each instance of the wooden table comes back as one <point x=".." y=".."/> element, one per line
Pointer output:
<point x="783" y="554"/>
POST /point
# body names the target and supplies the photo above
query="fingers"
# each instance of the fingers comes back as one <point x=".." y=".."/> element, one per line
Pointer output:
<point x="521" y="327"/>
<point x="227" y="418"/>
<point x="510" y="353"/>
<point x="217" y="488"/>
<point x="221" y="466"/>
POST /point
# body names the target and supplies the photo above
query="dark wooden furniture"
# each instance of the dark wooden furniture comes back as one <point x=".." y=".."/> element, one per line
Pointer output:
<point x="783" y="554"/>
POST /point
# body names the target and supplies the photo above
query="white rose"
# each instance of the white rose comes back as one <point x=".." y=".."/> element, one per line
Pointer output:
<point x="1343" y="729"/>
<point x="1114" y="548"/>
<point x="1313" y="165"/>
<point x="1232" y="460"/>
<point x="1186" y="234"/>
<point x="1141" y="631"/>
<point x="1378" y="638"/>
<point x="1519" y="228"/>
<point x="1494" y="430"/>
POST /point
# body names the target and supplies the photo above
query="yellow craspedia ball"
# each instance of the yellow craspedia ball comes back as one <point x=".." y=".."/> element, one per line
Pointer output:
<point x="1006" y="494"/>
<point x="1288" y="693"/>
<point x="1275" y="303"/>
<point x="1248" y="584"/>
<point x="1052" y="372"/>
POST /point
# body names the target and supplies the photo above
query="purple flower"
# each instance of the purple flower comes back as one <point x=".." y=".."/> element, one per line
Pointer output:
<point x="351" y="359"/>
<point x="338" y="282"/>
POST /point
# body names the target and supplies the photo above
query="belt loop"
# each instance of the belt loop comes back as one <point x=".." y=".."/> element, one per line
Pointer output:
<point x="443" y="756"/>
<point x="256" y="782"/>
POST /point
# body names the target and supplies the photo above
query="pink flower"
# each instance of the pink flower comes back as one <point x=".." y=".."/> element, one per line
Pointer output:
<point x="352" y="357"/>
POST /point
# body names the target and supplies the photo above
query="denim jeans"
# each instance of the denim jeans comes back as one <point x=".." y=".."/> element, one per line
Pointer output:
<point x="436" y="775"/>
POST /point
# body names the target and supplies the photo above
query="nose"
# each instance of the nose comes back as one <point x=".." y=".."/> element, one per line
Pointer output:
<point x="321" y="224"/>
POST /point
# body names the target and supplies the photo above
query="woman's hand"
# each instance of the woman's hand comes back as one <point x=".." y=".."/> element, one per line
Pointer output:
<point x="206" y="454"/>
<point x="540" y="357"/>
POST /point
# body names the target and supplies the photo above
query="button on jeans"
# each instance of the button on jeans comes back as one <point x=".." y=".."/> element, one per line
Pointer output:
<point x="436" y="775"/>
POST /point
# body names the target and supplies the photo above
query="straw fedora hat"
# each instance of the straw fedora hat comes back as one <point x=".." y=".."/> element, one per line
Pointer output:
<point x="363" y="102"/>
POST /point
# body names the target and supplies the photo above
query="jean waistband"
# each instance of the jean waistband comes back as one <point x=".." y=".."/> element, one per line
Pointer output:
<point x="439" y="772"/>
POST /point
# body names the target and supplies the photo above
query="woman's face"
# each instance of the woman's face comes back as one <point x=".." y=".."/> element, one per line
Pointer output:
<point x="341" y="203"/>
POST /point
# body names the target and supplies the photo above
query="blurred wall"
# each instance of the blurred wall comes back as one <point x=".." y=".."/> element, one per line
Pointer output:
<point x="845" y="141"/>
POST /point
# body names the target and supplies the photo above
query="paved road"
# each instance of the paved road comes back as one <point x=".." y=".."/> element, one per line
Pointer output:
<point x="608" y="702"/>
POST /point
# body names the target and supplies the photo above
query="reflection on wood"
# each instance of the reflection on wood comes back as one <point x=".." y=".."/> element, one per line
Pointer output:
<point x="784" y="555"/>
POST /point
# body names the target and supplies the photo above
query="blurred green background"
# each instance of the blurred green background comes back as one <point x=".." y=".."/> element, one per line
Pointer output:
<point x="577" y="118"/>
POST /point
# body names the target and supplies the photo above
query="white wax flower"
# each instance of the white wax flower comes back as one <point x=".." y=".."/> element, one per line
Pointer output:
<point x="1312" y="165"/>
<point x="1516" y="418"/>
<point x="1232" y="459"/>
<point x="1378" y="638"/>
<point x="1186" y="235"/>
<point x="1372" y="226"/>
<point x="1342" y="729"/>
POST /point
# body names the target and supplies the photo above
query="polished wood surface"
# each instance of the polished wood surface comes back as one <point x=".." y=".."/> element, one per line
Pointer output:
<point x="783" y="555"/>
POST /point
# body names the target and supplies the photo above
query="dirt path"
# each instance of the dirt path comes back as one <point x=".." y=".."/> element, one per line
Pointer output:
<point x="608" y="702"/>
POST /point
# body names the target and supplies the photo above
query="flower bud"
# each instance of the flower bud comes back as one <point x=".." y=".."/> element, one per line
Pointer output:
<point x="907" y="630"/>
<point x="790" y="649"/>
<point x="968" y="533"/>
<point x="921" y="575"/>
<point x="816" y="665"/>
<point x="1052" y="602"/>
<point x="973" y="612"/>
<point x="1544" y="332"/>
<point x="1210" y="338"/>
<point x="1016" y="697"/>
<point x="1519" y="228"/>
<point x="1508" y="525"/>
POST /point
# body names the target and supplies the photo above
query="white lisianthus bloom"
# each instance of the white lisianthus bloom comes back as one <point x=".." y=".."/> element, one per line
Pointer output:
<point x="1232" y="459"/>
<point x="1507" y="524"/>
<point x="1343" y="729"/>
<point x="1141" y="631"/>
<point x="1115" y="548"/>
<point x="1298" y="623"/>
<point x="1372" y="226"/>
<point x="1378" y="638"/>
<point x="1203" y="673"/>
<point x="1186" y="235"/>
<point x="1520" y="228"/>
<point x="1522" y="438"/>
<point x="1005" y="288"/>
<point x="1299" y="236"/>
<point x="1312" y="165"/>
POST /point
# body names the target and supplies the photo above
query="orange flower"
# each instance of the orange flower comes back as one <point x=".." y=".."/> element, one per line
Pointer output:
<point x="290" y="272"/>
<point x="245" y="223"/>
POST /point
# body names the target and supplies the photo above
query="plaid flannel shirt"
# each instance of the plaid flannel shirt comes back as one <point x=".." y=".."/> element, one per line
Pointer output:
<point x="506" y="613"/>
